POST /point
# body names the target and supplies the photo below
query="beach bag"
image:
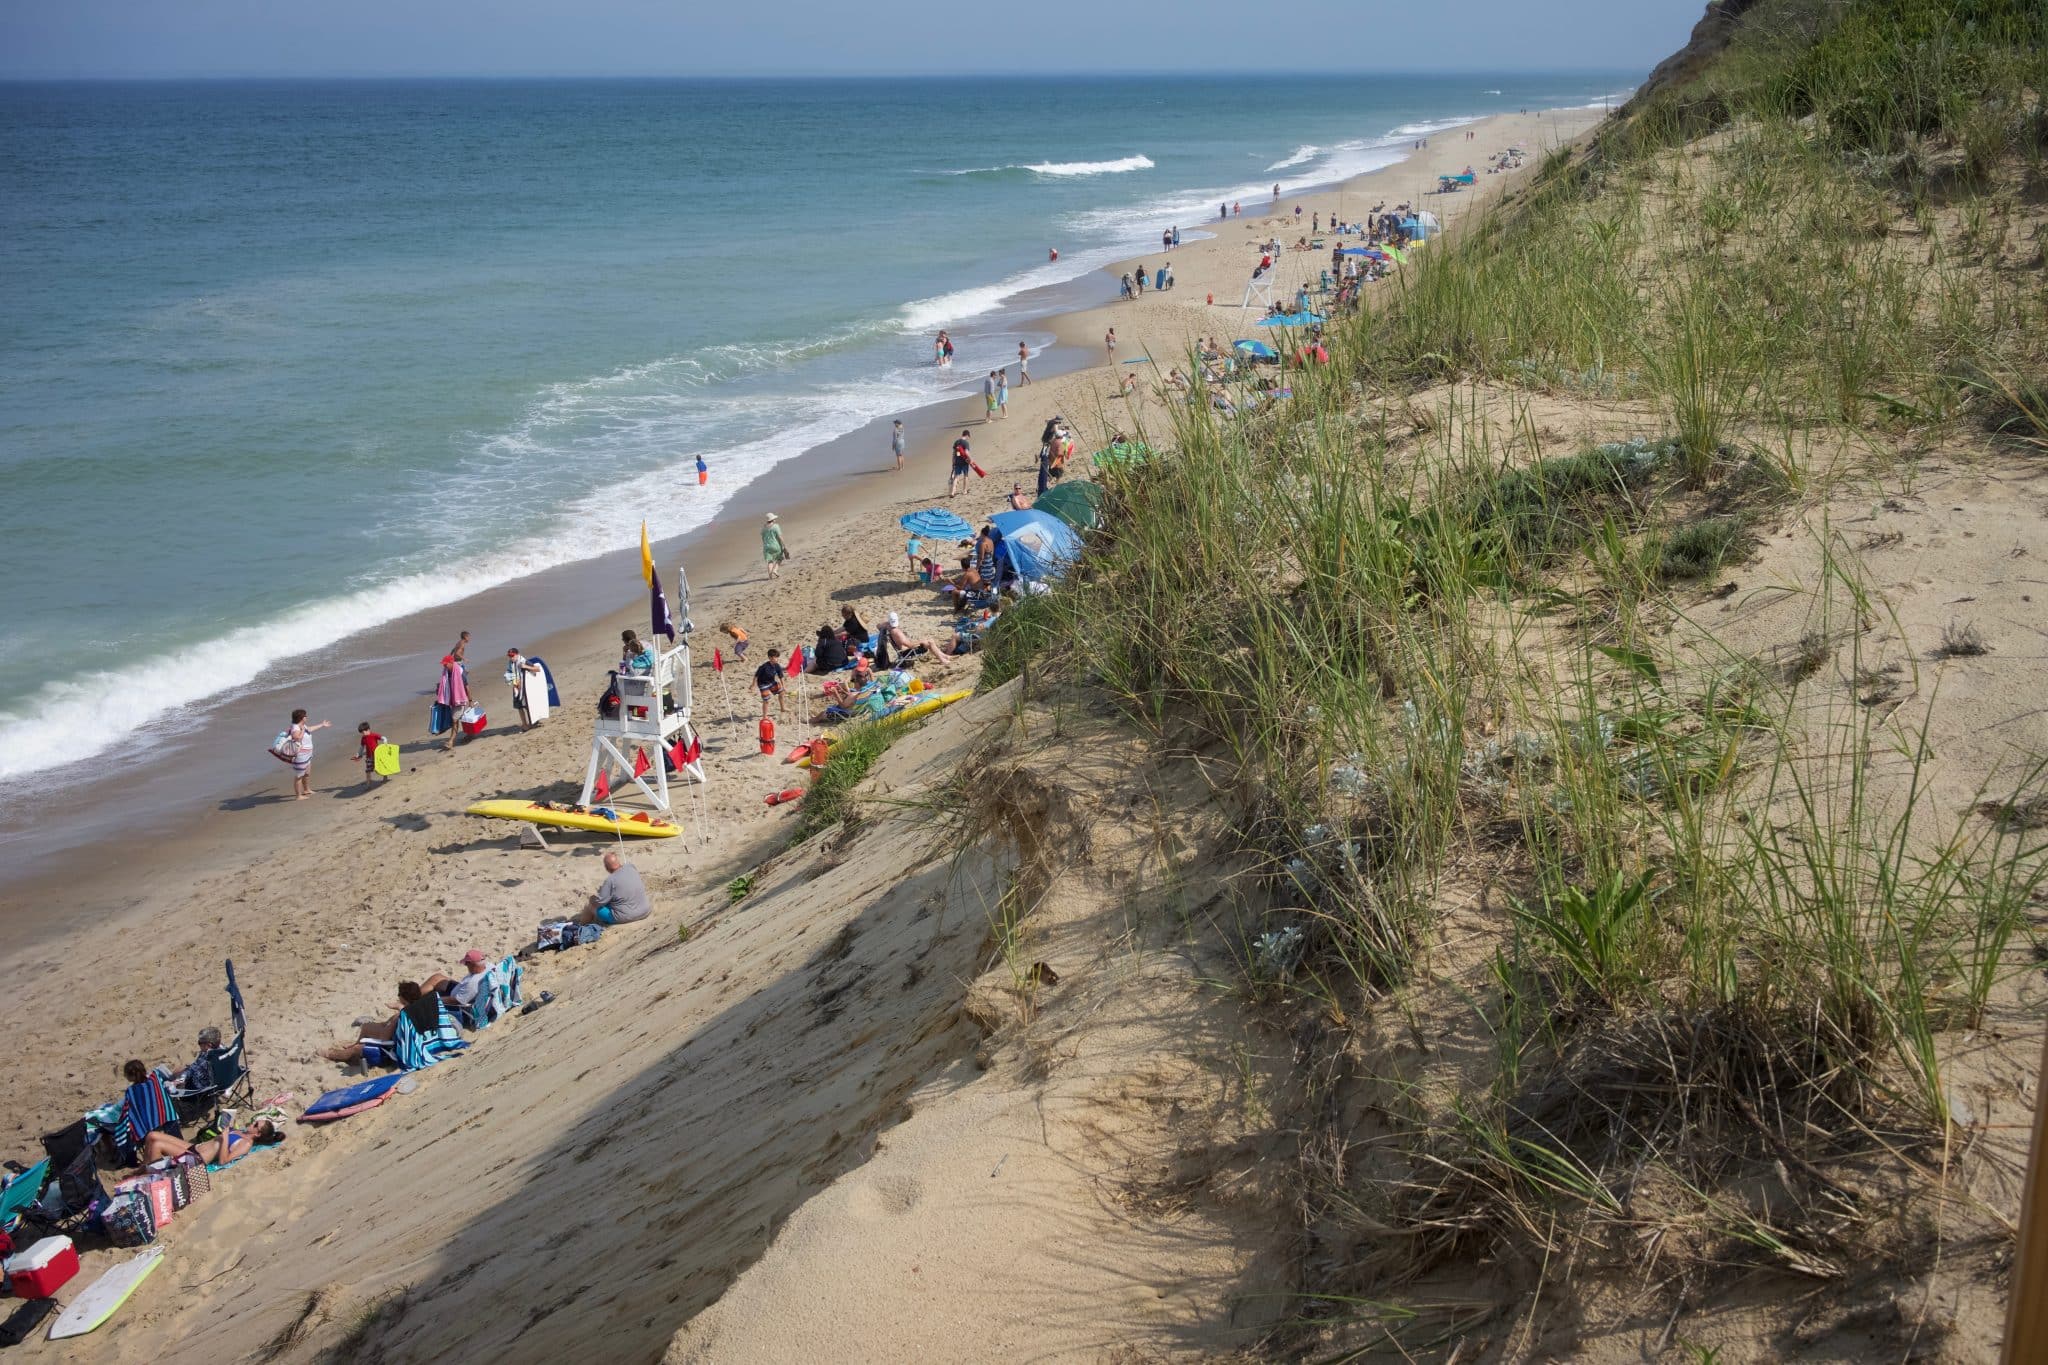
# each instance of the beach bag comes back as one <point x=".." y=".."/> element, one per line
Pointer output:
<point x="608" y="700"/>
<point x="181" y="1188"/>
<point x="284" y="748"/>
<point x="78" y="1184"/>
<point x="126" y="1219"/>
<point x="440" y="719"/>
<point x="385" y="760"/>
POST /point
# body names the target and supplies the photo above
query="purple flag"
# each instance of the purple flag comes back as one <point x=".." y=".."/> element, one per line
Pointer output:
<point x="663" y="624"/>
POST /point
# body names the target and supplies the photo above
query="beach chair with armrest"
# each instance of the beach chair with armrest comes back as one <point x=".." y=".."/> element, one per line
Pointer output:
<point x="496" y="997"/>
<point x="228" y="1083"/>
<point x="21" y="1194"/>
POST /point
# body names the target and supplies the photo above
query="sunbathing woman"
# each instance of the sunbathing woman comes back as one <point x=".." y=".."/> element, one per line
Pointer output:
<point x="894" y="634"/>
<point x="229" y="1146"/>
<point x="426" y="1016"/>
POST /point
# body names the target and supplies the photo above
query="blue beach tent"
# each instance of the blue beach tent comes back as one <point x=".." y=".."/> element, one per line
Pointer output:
<point x="1295" y="319"/>
<point x="1039" y="544"/>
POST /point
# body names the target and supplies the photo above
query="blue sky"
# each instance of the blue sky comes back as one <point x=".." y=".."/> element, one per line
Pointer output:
<point x="67" y="38"/>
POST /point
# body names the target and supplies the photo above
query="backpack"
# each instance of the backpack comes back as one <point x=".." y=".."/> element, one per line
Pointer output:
<point x="608" y="701"/>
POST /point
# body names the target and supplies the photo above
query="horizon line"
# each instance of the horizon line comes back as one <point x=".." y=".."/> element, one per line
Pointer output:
<point x="46" y="78"/>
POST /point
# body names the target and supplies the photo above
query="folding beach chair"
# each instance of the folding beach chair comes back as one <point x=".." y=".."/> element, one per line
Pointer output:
<point x="496" y="996"/>
<point x="21" y="1194"/>
<point x="227" y="1065"/>
<point x="412" y="1048"/>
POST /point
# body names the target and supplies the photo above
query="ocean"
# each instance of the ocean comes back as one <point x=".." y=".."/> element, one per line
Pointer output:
<point x="287" y="361"/>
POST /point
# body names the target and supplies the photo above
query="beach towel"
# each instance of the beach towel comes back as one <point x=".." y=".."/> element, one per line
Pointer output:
<point x="411" y="1048"/>
<point x="146" y="1107"/>
<point x="453" y="689"/>
<point x="497" y="996"/>
<point x="350" y="1099"/>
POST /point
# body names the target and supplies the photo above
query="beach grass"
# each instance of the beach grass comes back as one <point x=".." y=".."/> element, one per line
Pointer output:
<point x="1435" y="658"/>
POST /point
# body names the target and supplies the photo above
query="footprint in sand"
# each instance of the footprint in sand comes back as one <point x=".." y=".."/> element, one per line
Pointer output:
<point x="885" y="1196"/>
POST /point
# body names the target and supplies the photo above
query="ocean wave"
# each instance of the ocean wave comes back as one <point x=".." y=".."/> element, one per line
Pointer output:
<point x="1065" y="168"/>
<point x="633" y="419"/>
<point x="1303" y="153"/>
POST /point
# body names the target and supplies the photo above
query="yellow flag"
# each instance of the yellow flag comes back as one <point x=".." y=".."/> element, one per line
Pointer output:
<point x="646" y="557"/>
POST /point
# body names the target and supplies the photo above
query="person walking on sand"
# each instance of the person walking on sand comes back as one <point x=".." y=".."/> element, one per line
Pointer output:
<point x="1023" y="364"/>
<point x="295" y="746"/>
<point x="451" y="697"/>
<point x="1109" y="345"/>
<point x="1141" y="279"/>
<point x="1003" y="393"/>
<point x="768" y="682"/>
<point x="896" y="443"/>
<point x="988" y="397"/>
<point x="963" y="465"/>
<point x="773" y="551"/>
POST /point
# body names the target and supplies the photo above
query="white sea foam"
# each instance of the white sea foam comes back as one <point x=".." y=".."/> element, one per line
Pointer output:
<point x="1116" y="167"/>
<point x="1065" y="168"/>
<point x="1303" y="153"/>
<point x="642" y="414"/>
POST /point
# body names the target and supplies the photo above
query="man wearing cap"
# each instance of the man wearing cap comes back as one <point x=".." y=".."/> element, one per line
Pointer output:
<point x="621" y="897"/>
<point x="461" y="991"/>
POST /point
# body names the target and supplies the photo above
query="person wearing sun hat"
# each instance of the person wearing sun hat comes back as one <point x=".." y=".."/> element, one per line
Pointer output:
<point x="773" y="551"/>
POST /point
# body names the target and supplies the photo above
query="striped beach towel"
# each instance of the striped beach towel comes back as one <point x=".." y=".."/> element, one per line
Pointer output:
<point x="496" y="997"/>
<point x="411" y="1048"/>
<point x="146" y="1108"/>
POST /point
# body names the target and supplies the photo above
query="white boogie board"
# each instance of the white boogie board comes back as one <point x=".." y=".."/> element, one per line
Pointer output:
<point x="105" y="1295"/>
<point x="534" y="686"/>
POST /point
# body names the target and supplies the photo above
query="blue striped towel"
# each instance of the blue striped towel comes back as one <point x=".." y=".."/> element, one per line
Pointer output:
<point x="496" y="997"/>
<point x="412" y="1050"/>
<point x="145" y="1108"/>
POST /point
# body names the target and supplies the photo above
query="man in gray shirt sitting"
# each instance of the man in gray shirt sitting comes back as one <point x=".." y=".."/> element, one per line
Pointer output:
<point x="621" y="897"/>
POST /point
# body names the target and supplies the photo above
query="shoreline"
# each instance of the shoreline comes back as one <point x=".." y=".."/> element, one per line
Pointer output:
<point x="210" y="762"/>
<point x="319" y="900"/>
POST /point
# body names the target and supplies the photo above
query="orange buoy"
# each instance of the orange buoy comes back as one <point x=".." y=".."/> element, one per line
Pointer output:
<point x="1212" y="300"/>
<point x="768" y="735"/>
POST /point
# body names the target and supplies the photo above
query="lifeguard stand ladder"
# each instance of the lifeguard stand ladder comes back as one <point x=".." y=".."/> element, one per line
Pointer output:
<point x="643" y="721"/>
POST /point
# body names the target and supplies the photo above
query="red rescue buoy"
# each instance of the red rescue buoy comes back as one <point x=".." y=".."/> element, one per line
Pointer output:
<point x="1212" y="300"/>
<point x="767" y="735"/>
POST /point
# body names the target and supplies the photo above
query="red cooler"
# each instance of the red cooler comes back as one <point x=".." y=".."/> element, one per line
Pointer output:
<point x="43" y="1269"/>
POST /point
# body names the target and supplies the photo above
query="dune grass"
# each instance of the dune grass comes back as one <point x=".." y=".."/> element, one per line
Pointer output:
<point x="1430" y="659"/>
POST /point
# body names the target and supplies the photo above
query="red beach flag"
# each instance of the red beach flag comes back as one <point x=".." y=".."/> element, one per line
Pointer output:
<point x="601" y="790"/>
<point x="717" y="659"/>
<point x="640" y="763"/>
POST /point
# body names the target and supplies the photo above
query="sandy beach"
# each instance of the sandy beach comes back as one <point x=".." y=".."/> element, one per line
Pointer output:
<point x="544" y="1140"/>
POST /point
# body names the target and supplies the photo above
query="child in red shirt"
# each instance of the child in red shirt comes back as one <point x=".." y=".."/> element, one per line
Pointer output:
<point x="367" y="741"/>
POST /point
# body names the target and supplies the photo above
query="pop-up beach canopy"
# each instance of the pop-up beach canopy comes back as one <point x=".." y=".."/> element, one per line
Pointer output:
<point x="936" y="523"/>
<point x="1295" y="319"/>
<point x="1078" y="503"/>
<point x="1039" y="543"/>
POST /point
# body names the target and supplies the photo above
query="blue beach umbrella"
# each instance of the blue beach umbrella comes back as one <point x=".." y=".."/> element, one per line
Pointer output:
<point x="935" y="523"/>
<point x="1258" y="350"/>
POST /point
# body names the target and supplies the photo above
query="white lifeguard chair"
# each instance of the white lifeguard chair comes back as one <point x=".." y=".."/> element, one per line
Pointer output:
<point x="654" y="710"/>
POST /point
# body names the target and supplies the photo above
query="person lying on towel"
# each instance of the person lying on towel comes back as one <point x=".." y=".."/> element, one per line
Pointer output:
<point x="229" y="1146"/>
<point x="423" y="1006"/>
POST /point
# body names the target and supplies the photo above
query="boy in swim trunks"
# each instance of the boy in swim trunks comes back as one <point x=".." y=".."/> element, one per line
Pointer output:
<point x="768" y="681"/>
<point x="963" y="465"/>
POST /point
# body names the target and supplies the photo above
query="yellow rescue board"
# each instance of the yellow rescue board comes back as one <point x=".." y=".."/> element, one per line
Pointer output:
<point x="929" y="705"/>
<point x="642" y="826"/>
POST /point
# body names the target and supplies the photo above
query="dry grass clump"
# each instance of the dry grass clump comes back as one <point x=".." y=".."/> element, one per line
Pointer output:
<point x="1588" y="954"/>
